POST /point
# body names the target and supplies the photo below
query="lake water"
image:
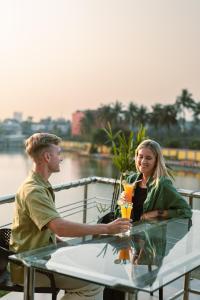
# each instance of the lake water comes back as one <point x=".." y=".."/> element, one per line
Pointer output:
<point x="15" y="167"/>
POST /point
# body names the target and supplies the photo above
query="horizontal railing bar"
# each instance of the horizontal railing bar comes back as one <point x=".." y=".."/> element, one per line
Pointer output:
<point x="75" y="183"/>
<point x="107" y="180"/>
<point x="77" y="212"/>
<point x="77" y="206"/>
<point x="96" y="200"/>
<point x="10" y="198"/>
<point x="189" y="193"/>
<point x="7" y="199"/>
<point x="4" y="225"/>
<point x="77" y="202"/>
<point x="72" y="208"/>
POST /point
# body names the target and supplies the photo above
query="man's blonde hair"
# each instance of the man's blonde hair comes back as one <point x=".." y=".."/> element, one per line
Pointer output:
<point x="39" y="141"/>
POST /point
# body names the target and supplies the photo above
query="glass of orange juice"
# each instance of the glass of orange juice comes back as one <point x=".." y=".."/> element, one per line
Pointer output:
<point x="123" y="256"/>
<point x="129" y="189"/>
<point x="126" y="208"/>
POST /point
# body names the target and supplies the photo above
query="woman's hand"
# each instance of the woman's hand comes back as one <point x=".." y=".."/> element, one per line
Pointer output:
<point x="149" y="215"/>
<point x="122" y="196"/>
<point x="154" y="214"/>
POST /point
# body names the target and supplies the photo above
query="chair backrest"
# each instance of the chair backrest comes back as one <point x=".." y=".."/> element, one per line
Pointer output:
<point x="5" y="280"/>
<point x="4" y="248"/>
<point x="5" y="237"/>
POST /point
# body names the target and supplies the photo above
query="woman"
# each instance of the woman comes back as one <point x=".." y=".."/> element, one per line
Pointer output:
<point x="155" y="196"/>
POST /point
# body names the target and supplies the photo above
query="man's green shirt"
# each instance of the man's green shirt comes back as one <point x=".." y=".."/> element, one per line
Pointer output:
<point x="34" y="209"/>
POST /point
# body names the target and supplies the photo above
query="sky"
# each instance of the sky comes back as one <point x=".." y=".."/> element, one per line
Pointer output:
<point x="59" y="56"/>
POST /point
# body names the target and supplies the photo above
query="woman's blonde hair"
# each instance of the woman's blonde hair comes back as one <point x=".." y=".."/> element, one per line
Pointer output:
<point x="160" y="167"/>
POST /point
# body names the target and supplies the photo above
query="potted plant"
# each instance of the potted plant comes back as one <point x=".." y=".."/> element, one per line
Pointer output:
<point x="123" y="153"/>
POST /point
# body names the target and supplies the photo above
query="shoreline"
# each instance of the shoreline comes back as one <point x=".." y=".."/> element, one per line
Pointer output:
<point x="177" y="163"/>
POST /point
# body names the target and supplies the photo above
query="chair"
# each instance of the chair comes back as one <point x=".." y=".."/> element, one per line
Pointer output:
<point x="5" y="279"/>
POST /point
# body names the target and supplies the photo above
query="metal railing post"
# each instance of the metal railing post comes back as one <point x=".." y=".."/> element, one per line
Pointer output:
<point x="29" y="282"/>
<point x="85" y="197"/>
<point x="191" y="201"/>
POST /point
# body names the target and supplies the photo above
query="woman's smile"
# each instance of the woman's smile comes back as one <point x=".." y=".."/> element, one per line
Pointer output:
<point x="146" y="161"/>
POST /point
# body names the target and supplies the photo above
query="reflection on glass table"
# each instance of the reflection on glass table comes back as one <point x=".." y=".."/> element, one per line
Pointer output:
<point x="155" y="254"/>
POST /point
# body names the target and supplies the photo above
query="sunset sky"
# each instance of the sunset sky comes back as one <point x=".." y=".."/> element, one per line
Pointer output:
<point x="57" y="56"/>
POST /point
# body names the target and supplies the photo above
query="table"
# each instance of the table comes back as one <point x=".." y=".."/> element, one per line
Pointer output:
<point x="155" y="254"/>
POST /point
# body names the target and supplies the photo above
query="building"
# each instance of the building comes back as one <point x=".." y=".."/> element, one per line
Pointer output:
<point x="76" y="122"/>
<point x="17" y="115"/>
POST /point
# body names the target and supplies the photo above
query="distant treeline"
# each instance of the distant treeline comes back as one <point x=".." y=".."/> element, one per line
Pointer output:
<point x="167" y="123"/>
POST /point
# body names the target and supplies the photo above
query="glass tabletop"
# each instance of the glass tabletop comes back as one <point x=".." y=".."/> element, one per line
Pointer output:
<point x="155" y="254"/>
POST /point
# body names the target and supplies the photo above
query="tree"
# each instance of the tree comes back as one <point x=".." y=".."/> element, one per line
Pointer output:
<point x="104" y="115"/>
<point x="169" y="116"/>
<point x="87" y="124"/>
<point x="131" y="115"/>
<point x="155" y="117"/>
<point x="117" y="113"/>
<point x="184" y="103"/>
<point x="196" y="112"/>
<point x="142" y="116"/>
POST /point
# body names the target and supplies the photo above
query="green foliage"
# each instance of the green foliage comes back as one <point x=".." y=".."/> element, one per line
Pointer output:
<point x="194" y="144"/>
<point x="93" y="149"/>
<point x="99" y="137"/>
<point x="3" y="293"/>
<point x="123" y="148"/>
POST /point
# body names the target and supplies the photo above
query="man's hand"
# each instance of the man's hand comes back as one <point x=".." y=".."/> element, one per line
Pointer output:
<point x="118" y="225"/>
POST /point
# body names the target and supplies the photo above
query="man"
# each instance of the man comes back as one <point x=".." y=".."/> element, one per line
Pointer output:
<point x="36" y="221"/>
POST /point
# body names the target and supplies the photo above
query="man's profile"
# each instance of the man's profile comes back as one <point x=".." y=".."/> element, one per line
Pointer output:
<point x="36" y="222"/>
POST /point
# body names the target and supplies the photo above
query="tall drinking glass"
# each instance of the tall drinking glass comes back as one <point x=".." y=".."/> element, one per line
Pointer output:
<point x="124" y="256"/>
<point x="129" y="189"/>
<point x="126" y="203"/>
<point x="126" y="209"/>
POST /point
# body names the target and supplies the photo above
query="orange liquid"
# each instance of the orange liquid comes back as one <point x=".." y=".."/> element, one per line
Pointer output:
<point x="126" y="211"/>
<point x="128" y="188"/>
<point x="124" y="254"/>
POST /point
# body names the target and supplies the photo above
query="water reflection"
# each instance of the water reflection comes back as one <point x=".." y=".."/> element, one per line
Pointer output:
<point x="16" y="165"/>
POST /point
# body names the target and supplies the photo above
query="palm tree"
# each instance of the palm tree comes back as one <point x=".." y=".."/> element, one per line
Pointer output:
<point x="87" y="124"/>
<point x="163" y="116"/>
<point x="169" y="116"/>
<point x="155" y="117"/>
<point x="196" y="112"/>
<point x="142" y="115"/>
<point x="104" y="115"/>
<point x="131" y="114"/>
<point x="117" y="109"/>
<point x="184" y="102"/>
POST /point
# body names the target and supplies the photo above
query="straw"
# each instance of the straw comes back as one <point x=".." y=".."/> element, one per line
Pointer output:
<point x="137" y="181"/>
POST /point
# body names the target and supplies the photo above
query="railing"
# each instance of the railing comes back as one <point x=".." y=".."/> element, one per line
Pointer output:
<point x="98" y="202"/>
